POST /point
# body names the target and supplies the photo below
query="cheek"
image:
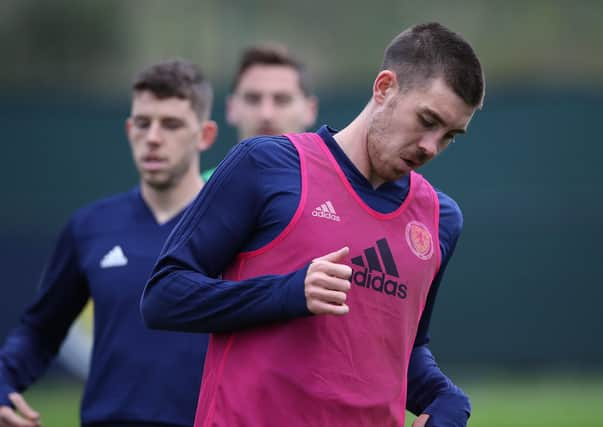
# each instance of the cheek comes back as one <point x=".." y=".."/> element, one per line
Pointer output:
<point x="247" y="119"/>
<point x="187" y="146"/>
<point x="375" y="149"/>
<point x="135" y="144"/>
<point x="238" y="114"/>
<point x="384" y="153"/>
<point x="378" y="139"/>
<point x="292" y="112"/>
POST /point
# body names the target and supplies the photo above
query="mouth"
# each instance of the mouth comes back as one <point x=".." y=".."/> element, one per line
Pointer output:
<point x="267" y="130"/>
<point x="153" y="163"/>
<point x="410" y="163"/>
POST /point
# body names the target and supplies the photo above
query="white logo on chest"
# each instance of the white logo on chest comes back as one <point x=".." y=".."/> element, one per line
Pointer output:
<point x="327" y="211"/>
<point x="114" y="258"/>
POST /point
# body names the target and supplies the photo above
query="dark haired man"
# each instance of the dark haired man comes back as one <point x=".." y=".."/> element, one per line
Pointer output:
<point x="105" y="252"/>
<point x="327" y="250"/>
<point x="271" y="94"/>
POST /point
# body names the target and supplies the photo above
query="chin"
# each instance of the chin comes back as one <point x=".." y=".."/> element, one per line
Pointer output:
<point x="157" y="183"/>
<point x="161" y="186"/>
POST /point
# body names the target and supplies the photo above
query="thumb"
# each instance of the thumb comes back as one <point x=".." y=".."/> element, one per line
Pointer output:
<point x="336" y="256"/>
<point x="421" y="420"/>
<point x="22" y="406"/>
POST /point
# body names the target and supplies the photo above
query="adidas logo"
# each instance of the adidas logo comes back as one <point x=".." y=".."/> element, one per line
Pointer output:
<point x="326" y="210"/>
<point x="371" y="275"/>
<point x="114" y="258"/>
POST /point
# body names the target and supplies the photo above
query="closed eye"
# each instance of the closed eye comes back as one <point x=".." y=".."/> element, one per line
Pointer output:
<point x="282" y="99"/>
<point x="252" y="98"/>
<point x="172" y="123"/>
<point x="426" y="123"/>
<point x="141" y="122"/>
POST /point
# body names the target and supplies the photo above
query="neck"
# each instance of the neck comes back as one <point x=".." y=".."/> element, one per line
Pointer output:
<point x="167" y="203"/>
<point x="353" y="141"/>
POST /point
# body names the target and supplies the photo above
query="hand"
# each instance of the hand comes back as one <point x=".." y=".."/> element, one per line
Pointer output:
<point x="420" y="421"/>
<point x="24" y="416"/>
<point x="327" y="283"/>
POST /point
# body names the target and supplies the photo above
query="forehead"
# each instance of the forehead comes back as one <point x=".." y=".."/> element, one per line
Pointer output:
<point x="269" y="79"/>
<point x="435" y="95"/>
<point x="145" y="102"/>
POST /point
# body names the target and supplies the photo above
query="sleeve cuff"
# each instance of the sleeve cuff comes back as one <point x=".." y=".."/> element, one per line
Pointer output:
<point x="294" y="304"/>
<point x="449" y="410"/>
<point x="5" y="390"/>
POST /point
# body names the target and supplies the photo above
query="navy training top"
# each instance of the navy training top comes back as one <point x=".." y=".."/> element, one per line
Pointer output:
<point x="137" y="376"/>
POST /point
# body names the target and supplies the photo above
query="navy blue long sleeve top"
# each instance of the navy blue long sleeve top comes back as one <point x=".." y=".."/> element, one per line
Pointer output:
<point x="137" y="376"/>
<point x="249" y="200"/>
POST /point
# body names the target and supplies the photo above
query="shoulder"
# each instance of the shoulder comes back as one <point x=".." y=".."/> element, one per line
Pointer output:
<point x="451" y="215"/>
<point x="103" y="213"/>
<point x="251" y="167"/>
<point x="270" y="151"/>
<point x="253" y="156"/>
<point x="449" y="208"/>
<point x="451" y="218"/>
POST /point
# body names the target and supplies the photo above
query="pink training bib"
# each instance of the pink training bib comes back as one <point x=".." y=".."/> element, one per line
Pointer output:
<point x="323" y="370"/>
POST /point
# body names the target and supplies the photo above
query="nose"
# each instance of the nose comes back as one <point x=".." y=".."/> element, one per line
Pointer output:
<point x="154" y="132"/>
<point x="429" y="146"/>
<point x="267" y="109"/>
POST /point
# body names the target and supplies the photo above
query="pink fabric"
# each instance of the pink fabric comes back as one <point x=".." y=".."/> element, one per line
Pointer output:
<point x="326" y="370"/>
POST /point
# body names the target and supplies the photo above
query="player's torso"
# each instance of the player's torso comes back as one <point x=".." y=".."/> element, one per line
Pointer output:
<point x="117" y="263"/>
<point x="321" y="368"/>
<point x="117" y="250"/>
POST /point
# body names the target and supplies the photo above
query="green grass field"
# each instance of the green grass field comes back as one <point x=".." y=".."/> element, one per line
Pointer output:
<point x="546" y="401"/>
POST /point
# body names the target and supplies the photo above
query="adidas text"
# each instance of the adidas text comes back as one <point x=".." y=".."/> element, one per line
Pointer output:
<point x="378" y="282"/>
<point x="326" y="215"/>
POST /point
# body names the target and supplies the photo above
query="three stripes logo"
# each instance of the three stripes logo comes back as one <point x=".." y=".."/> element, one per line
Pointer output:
<point x="379" y="273"/>
<point x="327" y="211"/>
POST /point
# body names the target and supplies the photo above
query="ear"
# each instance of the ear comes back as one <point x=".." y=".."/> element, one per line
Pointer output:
<point x="385" y="84"/>
<point x="231" y="110"/>
<point x="311" y="111"/>
<point x="207" y="137"/>
<point x="128" y="126"/>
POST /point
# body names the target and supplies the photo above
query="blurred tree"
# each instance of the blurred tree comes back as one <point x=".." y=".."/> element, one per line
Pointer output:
<point x="51" y="43"/>
<point x="71" y="43"/>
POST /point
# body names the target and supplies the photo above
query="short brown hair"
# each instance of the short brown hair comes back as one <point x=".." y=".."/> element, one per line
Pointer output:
<point x="272" y="54"/>
<point x="431" y="50"/>
<point x="177" y="78"/>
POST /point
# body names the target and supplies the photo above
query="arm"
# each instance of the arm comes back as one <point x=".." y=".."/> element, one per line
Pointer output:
<point x="433" y="393"/>
<point x="430" y="391"/>
<point x="29" y="348"/>
<point x="185" y="291"/>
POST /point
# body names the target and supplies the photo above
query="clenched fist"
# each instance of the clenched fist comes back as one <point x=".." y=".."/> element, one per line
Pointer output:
<point x="327" y="283"/>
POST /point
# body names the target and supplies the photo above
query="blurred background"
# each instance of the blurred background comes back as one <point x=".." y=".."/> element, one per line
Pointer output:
<point x="518" y="323"/>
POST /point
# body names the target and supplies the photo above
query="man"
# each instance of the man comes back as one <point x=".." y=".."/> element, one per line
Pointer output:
<point x="326" y="253"/>
<point x="270" y="94"/>
<point x="105" y="252"/>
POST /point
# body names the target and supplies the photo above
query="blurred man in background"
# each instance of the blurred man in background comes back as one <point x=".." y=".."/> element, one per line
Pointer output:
<point x="327" y="251"/>
<point x="105" y="253"/>
<point x="270" y="95"/>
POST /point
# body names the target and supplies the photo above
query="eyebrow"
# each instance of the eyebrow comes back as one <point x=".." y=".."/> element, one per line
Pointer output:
<point x="148" y="116"/>
<point x="440" y="120"/>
